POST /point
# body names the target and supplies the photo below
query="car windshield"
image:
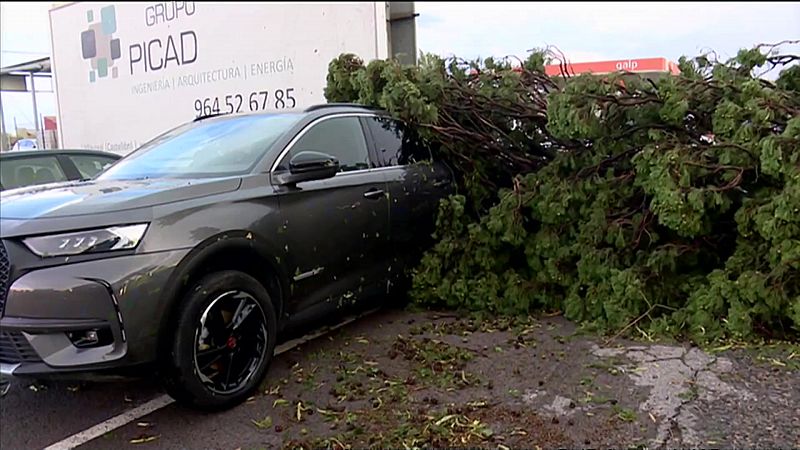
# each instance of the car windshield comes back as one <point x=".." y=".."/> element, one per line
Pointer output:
<point x="220" y="147"/>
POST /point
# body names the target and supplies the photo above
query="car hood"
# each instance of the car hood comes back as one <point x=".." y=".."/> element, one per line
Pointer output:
<point x="104" y="196"/>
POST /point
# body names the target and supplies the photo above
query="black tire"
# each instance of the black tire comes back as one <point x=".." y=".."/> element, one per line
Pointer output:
<point x="182" y="376"/>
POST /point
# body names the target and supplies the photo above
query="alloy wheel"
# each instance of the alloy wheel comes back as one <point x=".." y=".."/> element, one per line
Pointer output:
<point x="230" y="342"/>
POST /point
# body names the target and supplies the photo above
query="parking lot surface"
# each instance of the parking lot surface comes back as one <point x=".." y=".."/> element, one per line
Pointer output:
<point x="436" y="380"/>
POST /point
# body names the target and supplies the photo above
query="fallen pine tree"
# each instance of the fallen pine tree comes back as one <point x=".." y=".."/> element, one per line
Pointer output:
<point x="670" y="206"/>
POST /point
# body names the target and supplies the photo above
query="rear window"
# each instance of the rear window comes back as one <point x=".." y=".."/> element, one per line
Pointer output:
<point x="21" y="172"/>
<point x="90" y="165"/>
<point x="397" y="144"/>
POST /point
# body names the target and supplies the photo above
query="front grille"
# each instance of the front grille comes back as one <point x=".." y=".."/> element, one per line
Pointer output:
<point x="14" y="348"/>
<point x="5" y="276"/>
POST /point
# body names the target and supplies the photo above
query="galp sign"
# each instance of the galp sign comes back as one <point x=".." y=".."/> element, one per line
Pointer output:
<point x="629" y="65"/>
<point x="641" y="65"/>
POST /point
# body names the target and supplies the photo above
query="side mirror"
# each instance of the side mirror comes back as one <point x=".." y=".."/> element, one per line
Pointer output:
<point x="308" y="166"/>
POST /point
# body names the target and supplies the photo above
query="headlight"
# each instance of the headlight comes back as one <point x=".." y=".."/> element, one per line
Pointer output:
<point x="101" y="240"/>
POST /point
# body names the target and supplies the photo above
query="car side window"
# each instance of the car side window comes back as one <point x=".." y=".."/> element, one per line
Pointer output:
<point x="20" y="172"/>
<point x="395" y="143"/>
<point x="340" y="137"/>
<point x="90" y="165"/>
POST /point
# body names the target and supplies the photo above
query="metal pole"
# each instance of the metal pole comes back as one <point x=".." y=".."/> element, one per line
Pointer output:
<point x="3" y="135"/>
<point x="35" y="111"/>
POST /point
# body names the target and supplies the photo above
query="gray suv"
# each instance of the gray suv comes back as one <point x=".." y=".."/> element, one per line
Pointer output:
<point x="198" y="250"/>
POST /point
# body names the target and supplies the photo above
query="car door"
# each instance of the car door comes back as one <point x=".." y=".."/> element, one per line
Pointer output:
<point x="335" y="231"/>
<point x="416" y="183"/>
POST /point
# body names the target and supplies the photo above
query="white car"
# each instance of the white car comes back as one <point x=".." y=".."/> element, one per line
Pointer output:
<point x="25" y="144"/>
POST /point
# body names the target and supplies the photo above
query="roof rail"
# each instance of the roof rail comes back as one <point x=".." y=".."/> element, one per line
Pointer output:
<point x="335" y="105"/>
<point x="198" y="119"/>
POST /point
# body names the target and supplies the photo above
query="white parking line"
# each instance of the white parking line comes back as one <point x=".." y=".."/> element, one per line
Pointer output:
<point x="112" y="423"/>
<point x="157" y="403"/>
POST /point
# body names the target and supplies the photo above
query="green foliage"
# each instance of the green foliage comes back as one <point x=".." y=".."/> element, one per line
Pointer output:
<point x="673" y="205"/>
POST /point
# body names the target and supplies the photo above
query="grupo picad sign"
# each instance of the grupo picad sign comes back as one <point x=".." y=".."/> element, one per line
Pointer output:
<point x="126" y="72"/>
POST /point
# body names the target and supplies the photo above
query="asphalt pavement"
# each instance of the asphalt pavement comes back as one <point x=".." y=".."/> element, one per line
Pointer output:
<point x="538" y="383"/>
<point x="37" y="414"/>
<point x="34" y="416"/>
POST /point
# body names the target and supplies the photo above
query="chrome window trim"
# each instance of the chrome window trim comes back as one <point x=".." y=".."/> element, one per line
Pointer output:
<point x="302" y="132"/>
<point x="373" y="169"/>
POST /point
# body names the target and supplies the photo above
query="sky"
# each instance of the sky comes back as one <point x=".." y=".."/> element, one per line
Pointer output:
<point x="582" y="31"/>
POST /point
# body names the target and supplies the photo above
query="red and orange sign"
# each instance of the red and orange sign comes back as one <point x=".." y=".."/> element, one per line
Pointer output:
<point x="643" y="65"/>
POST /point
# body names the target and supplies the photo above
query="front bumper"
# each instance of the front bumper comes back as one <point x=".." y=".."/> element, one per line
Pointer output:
<point x="120" y="297"/>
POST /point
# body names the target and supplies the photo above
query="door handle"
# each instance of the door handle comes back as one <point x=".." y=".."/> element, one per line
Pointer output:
<point x="373" y="193"/>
